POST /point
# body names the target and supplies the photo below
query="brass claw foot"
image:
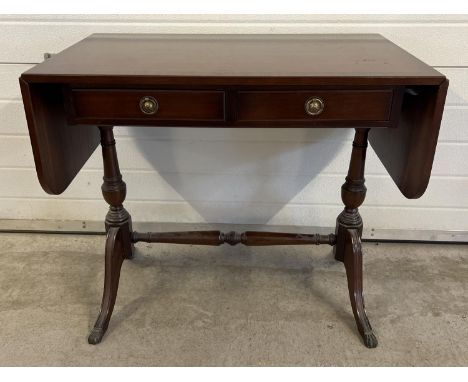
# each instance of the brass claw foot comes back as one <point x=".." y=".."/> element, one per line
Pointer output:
<point x="370" y="340"/>
<point x="95" y="336"/>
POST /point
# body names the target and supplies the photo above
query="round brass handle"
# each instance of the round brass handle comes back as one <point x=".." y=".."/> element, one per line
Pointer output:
<point x="314" y="106"/>
<point x="149" y="105"/>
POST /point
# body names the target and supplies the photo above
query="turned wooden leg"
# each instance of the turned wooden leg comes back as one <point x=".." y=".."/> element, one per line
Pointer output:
<point x="118" y="225"/>
<point x="349" y="232"/>
<point x="114" y="190"/>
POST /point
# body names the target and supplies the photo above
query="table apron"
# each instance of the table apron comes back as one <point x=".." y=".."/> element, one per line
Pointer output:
<point x="234" y="108"/>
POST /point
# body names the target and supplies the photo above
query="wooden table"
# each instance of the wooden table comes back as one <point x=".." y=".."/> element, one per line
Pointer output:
<point x="365" y="82"/>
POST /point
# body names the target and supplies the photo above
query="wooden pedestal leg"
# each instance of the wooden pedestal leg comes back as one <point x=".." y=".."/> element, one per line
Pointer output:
<point x="114" y="257"/>
<point x="349" y="231"/>
<point x="119" y="229"/>
<point x="353" y="266"/>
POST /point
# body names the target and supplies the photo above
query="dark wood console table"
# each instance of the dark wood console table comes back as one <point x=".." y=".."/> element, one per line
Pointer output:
<point x="365" y="82"/>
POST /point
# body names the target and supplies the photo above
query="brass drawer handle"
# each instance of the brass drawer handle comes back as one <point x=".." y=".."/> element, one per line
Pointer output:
<point x="149" y="105"/>
<point x="314" y="106"/>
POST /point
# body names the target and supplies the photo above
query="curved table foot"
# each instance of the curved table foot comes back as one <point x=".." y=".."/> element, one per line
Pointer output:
<point x="113" y="262"/>
<point x="353" y="266"/>
<point x="370" y="340"/>
<point x="95" y="336"/>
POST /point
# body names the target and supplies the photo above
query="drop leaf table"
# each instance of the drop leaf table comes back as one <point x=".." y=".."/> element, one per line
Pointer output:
<point x="361" y="81"/>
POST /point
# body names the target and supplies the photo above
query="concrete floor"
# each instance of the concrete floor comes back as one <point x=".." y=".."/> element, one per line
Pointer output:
<point x="214" y="306"/>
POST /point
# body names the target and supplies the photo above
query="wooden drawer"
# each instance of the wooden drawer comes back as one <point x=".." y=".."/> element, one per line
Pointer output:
<point x="114" y="106"/>
<point x="338" y="105"/>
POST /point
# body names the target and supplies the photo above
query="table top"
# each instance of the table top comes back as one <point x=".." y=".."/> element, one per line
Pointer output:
<point x="250" y="78"/>
<point x="318" y="59"/>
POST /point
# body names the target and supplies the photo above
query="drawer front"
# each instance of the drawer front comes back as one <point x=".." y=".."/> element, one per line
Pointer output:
<point x="146" y="106"/>
<point x="307" y="106"/>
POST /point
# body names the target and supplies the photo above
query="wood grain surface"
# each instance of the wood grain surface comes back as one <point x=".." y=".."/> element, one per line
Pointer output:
<point x="322" y="59"/>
